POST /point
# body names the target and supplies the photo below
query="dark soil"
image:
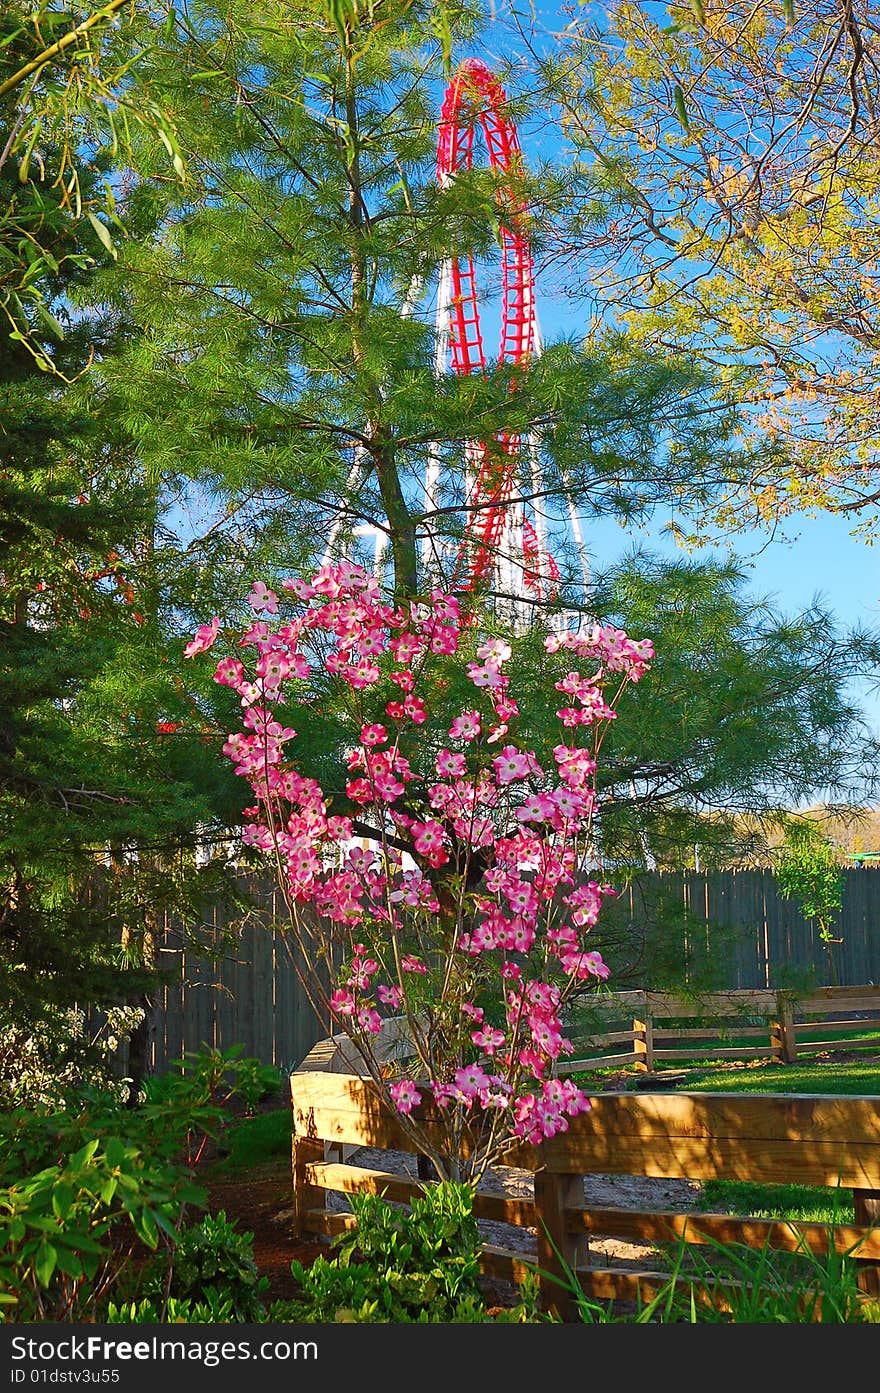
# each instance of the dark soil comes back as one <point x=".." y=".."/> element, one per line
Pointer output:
<point x="260" y="1203"/>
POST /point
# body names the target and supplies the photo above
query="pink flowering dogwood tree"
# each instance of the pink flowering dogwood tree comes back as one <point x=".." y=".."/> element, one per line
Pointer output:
<point x="445" y="882"/>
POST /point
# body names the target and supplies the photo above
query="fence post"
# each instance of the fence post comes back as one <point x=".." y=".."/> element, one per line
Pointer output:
<point x="643" y="1043"/>
<point x="304" y="1149"/>
<point x="558" y="1248"/>
<point x="783" y="1039"/>
<point x="866" y="1204"/>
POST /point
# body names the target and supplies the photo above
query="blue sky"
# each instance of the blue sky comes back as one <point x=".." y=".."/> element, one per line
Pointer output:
<point x="820" y="560"/>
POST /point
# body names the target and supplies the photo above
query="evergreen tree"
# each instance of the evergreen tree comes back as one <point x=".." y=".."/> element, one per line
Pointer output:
<point x="92" y="758"/>
<point x="286" y="363"/>
<point x="288" y="348"/>
<point x="749" y="712"/>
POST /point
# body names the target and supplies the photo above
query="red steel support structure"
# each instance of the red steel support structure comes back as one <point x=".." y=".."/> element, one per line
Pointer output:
<point x="500" y="540"/>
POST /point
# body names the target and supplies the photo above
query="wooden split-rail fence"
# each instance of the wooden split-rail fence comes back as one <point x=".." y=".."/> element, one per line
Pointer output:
<point x="804" y="1139"/>
<point x="655" y="1030"/>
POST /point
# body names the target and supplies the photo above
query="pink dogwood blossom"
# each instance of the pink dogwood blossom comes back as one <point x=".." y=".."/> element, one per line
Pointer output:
<point x="204" y="639"/>
<point x="418" y="854"/>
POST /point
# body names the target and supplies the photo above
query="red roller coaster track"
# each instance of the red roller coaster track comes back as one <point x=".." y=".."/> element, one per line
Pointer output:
<point x="475" y="99"/>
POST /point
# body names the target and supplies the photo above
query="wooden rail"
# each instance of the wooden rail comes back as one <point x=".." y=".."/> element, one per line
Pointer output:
<point x="659" y="1028"/>
<point x="770" y="1138"/>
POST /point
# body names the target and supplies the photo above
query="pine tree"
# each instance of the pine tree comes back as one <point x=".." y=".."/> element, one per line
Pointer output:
<point x="286" y="361"/>
<point x="288" y="347"/>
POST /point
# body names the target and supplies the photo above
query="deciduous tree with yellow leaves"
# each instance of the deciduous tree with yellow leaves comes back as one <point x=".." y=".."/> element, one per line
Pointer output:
<point x="734" y="148"/>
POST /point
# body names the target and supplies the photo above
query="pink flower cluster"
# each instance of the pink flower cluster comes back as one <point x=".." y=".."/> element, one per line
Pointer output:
<point x="434" y="806"/>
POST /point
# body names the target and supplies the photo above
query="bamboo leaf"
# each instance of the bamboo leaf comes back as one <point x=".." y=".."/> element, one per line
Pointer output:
<point x="680" y="108"/>
<point x="102" y="234"/>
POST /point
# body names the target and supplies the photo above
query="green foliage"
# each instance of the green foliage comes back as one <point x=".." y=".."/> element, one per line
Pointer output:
<point x="291" y="366"/>
<point x="214" y="1309"/>
<point x="762" y="1286"/>
<point x="69" y="96"/>
<point x="256" y="1082"/>
<point x="56" y="1226"/>
<point x="733" y="1284"/>
<point x="57" y="1056"/>
<point x="257" y="1140"/>
<point x="397" y="1266"/>
<point x="211" y="1263"/>
<point x="85" y="683"/>
<point x="807" y="870"/>
<point x="66" y="1229"/>
<point x="199" y="1089"/>
<point x="745" y="711"/>
<point x="80" y="1185"/>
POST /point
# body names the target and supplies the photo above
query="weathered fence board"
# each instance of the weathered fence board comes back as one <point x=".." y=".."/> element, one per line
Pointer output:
<point x="232" y="990"/>
<point x="770" y="936"/>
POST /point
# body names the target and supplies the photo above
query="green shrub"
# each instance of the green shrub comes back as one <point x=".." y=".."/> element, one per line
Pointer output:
<point x="66" y="1232"/>
<point x="208" y="1259"/>
<point x="215" y="1309"/>
<point x="46" y="1060"/>
<point x="401" y="1267"/>
<point x="83" y="1186"/>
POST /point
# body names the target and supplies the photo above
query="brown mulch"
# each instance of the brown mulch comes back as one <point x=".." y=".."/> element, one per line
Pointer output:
<point x="261" y="1205"/>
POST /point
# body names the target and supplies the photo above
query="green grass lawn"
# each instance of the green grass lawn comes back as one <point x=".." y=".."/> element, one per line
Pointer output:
<point x="255" y="1142"/>
<point x="842" y="1076"/>
<point x="809" y="1203"/>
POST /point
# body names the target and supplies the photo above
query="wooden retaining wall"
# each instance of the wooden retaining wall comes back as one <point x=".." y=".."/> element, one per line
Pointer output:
<point x="806" y="1139"/>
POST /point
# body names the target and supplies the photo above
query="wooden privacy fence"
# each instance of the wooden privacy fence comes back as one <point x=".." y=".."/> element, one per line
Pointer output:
<point x="805" y="1139"/>
<point x="230" y="990"/>
<point x="740" y="919"/>
<point x="658" y="1028"/>
<point x="246" y="991"/>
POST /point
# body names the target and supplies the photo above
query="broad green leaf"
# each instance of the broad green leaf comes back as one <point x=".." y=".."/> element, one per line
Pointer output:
<point x="51" y="323"/>
<point x="45" y="1263"/>
<point x="146" y="1227"/>
<point x="62" y="1199"/>
<point x="84" y="1155"/>
<point x="103" y="236"/>
<point x="70" y="1264"/>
